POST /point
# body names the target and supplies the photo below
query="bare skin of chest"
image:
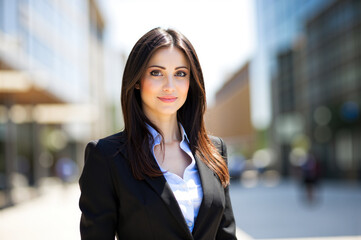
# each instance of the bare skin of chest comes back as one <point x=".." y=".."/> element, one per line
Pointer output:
<point x="174" y="159"/>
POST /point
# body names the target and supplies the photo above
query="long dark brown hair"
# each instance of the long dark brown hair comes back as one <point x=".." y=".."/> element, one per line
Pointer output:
<point x="190" y="115"/>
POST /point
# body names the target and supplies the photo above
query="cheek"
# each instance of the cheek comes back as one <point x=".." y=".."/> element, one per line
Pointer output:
<point x="147" y="87"/>
<point x="184" y="87"/>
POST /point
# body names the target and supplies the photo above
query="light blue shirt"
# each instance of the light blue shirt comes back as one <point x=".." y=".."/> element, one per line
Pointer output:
<point x="187" y="190"/>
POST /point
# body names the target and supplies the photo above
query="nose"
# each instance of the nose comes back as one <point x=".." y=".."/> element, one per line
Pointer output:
<point x="168" y="83"/>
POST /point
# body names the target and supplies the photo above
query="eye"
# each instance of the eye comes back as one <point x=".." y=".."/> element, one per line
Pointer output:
<point x="181" y="74"/>
<point x="156" y="73"/>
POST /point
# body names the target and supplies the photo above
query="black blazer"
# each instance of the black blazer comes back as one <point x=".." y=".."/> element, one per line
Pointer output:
<point x="113" y="202"/>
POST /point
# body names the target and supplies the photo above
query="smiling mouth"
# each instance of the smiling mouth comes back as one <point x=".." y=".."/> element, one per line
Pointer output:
<point x="167" y="99"/>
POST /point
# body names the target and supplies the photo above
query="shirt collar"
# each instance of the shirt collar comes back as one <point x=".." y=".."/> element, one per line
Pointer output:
<point x="184" y="145"/>
<point x="157" y="138"/>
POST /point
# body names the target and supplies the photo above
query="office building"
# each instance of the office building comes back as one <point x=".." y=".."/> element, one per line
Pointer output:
<point x="52" y="89"/>
<point x="312" y="61"/>
<point x="230" y="117"/>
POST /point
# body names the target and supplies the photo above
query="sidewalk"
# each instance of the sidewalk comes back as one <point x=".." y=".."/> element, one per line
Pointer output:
<point x="53" y="215"/>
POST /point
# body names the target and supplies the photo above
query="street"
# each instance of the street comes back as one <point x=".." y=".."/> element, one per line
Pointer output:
<point x="261" y="213"/>
<point x="283" y="211"/>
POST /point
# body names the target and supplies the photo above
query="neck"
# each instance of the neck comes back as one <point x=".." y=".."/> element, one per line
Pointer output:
<point x="169" y="128"/>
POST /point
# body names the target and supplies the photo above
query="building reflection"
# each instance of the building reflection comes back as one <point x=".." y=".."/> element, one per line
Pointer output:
<point x="53" y="95"/>
<point x="312" y="58"/>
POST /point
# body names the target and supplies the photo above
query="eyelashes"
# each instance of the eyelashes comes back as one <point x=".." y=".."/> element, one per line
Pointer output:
<point x="157" y="73"/>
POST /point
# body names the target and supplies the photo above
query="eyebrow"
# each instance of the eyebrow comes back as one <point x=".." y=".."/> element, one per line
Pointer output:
<point x="157" y="66"/>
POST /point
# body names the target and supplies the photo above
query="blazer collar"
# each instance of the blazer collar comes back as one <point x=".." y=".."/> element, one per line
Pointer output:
<point x="162" y="188"/>
<point x="208" y="181"/>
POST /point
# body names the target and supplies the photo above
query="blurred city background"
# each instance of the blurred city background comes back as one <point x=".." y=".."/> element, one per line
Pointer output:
<point x="283" y="82"/>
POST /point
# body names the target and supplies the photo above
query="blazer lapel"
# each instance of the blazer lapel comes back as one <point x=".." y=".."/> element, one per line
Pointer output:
<point x="207" y="179"/>
<point x="162" y="188"/>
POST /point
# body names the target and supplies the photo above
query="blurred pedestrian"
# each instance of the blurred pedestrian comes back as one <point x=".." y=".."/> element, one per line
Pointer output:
<point x="66" y="169"/>
<point x="310" y="176"/>
<point x="162" y="177"/>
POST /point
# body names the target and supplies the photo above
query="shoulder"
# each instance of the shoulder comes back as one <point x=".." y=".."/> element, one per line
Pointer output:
<point x="219" y="144"/>
<point x="109" y="145"/>
<point x="217" y="141"/>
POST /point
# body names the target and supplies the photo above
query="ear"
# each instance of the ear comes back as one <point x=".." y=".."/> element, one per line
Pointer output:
<point x="137" y="86"/>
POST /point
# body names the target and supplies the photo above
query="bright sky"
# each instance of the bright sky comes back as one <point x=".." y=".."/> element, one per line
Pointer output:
<point x="222" y="31"/>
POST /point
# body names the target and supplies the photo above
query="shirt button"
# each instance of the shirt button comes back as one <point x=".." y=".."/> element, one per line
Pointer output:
<point x="190" y="224"/>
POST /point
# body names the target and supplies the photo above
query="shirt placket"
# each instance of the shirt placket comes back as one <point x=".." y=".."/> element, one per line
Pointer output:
<point x="188" y="201"/>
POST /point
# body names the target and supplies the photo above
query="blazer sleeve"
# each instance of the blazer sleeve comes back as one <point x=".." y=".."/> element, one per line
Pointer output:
<point x="97" y="200"/>
<point x="227" y="227"/>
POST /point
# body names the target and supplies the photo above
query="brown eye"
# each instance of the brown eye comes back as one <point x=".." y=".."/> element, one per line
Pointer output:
<point x="181" y="74"/>
<point x="155" y="73"/>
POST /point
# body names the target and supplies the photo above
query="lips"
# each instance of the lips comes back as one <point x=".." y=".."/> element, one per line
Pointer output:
<point x="167" y="99"/>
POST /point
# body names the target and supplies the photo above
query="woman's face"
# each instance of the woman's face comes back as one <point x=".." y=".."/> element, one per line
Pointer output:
<point x="165" y="83"/>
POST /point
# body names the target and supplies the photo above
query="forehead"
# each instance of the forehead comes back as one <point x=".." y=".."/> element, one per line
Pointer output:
<point x="169" y="56"/>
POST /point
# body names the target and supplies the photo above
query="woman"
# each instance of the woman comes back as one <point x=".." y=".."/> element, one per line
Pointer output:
<point x="163" y="177"/>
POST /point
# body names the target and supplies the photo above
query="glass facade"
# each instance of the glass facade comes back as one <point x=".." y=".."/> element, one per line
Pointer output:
<point x="51" y="88"/>
<point x="54" y="36"/>
<point x="280" y="23"/>
<point x="310" y="54"/>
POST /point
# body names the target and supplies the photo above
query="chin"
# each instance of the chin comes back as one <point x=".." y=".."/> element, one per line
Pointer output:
<point x="168" y="111"/>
